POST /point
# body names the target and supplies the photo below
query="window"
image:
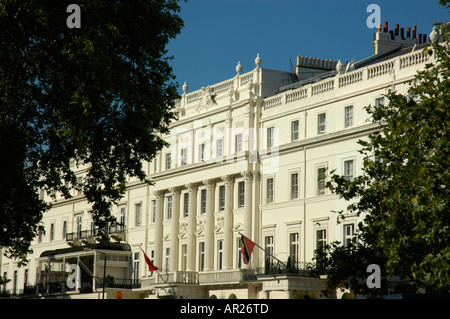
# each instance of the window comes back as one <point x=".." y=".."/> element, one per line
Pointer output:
<point x="183" y="257"/>
<point x="321" y="123"/>
<point x="294" y="185"/>
<point x="221" y="198"/>
<point x="348" y="116"/>
<point x="136" y="264"/>
<point x="186" y="205"/>
<point x="269" y="190"/>
<point x="25" y="280"/>
<point x="79" y="188"/>
<point x="201" y="255"/>
<point x="348" y="170"/>
<point x="78" y="223"/>
<point x="238" y="253"/>
<point x="349" y="232"/>
<point x="122" y="219"/>
<point x="321" y="239"/>
<point x="52" y="231"/>
<point x="138" y="214"/>
<point x="201" y="152"/>
<point x="183" y="156"/>
<point x="169" y="207"/>
<point x="167" y="259"/>
<point x="241" y="194"/>
<point x="203" y="201"/>
<point x="64" y="230"/>
<point x="168" y="161"/>
<point x="238" y="143"/>
<point x="379" y="101"/>
<point x="294" y="247"/>
<point x="219" y="148"/>
<point x="270" y="137"/>
<point x="321" y="181"/>
<point x="294" y="131"/>
<point x="268" y="251"/>
<point x="153" y="211"/>
<point x="219" y="254"/>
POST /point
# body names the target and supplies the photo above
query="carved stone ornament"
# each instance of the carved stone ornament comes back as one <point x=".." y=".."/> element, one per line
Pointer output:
<point x="258" y="61"/>
<point x="340" y="67"/>
<point x="239" y="68"/>
<point x="185" y="87"/>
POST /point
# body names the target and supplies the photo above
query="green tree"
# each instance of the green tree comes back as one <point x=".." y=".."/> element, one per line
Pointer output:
<point x="403" y="193"/>
<point x="100" y="95"/>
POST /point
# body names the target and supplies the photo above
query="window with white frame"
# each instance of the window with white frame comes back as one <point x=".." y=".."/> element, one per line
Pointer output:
<point x="201" y="152"/>
<point x="183" y="156"/>
<point x="321" y="180"/>
<point x="183" y="257"/>
<point x="238" y="253"/>
<point x="167" y="259"/>
<point x="348" y="170"/>
<point x="153" y="211"/>
<point x="221" y="198"/>
<point x="379" y="101"/>
<point x="168" y="161"/>
<point x="219" y="254"/>
<point x="269" y="190"/>
<point x="169" y="207"/>
<point x="138" y="214"/>
<point x="270" y="136"/>
<point x="294" y="248"/>
<point x="78" y="225"/>
<point x="64" y="230"/>
<point x="52" y="231"/>
<point x="122" y="219"/>
<point x="136" y="265"/>
<point x="219" y="147"/>
<point x="186" y="204"/>
<point x="241" y="194"/>
<point x="321" y="238"/>
<point x="268" y="251"/>
<point x="349" y="233"/>
<point x="294" y="185"/>
<point x="238" y="143"/>
<point x="203" y="201"/>
<point x="294" y="130"/>
<point x="321" y="123"/>
<point x="348" y="116"/>
<point x="201" y="256"/>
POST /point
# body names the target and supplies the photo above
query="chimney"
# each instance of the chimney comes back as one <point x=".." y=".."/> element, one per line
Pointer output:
<point x="388" y="40"/>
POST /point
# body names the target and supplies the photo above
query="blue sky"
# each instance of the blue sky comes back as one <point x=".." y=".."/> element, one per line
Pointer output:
<point x="219" y="33"/>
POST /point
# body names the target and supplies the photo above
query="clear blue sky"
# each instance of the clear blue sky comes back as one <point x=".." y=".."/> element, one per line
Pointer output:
<point x="219" y="33"/>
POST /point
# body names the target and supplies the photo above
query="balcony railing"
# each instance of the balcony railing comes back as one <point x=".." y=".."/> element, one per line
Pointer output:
<point x="86" y="234"/>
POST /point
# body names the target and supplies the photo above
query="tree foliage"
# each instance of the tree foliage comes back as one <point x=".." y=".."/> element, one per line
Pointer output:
<point x="403" y="193"/>
<point x="99" y="96"/>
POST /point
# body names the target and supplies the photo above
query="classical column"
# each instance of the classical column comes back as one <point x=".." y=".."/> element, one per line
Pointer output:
<point x="209" y="226"/>
<point x="175" y="191"/>
<point x="228" y="224"/>
<point x="190" y="264"/>
<point x="248" y="179"/>
<point x="158" y="228"/>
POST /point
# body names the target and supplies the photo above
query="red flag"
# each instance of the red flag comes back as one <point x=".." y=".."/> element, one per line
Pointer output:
<point x="246" y="248"/>
<point x="151" y="267"/>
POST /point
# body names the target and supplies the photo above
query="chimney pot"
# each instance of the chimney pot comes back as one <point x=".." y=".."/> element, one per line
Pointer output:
<point x="408" y="32"/>
<point x="385" y="26"/>
<point x="396" y="29"/>
<point x="414" y="31"/>
<point x="424" y="38"/>
<point x="379" y="28"/>
<point x="402" y="33"/>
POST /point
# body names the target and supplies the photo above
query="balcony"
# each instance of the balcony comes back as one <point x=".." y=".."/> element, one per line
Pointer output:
<point x="181" y="277"/>
<point x="233" y="276"/>
<point x="117" y="232"/>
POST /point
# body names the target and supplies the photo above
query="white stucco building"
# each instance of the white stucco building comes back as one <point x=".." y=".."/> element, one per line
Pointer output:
<point x="245" y="156"/>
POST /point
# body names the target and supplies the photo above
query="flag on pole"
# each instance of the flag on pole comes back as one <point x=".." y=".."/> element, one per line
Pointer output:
<point x="246" y="248"/>
<point x="46" y="276"/>
<point x="151" y="267"/>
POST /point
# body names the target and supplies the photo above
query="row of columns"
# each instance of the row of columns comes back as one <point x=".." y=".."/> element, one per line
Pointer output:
<point x="209" y="222"/>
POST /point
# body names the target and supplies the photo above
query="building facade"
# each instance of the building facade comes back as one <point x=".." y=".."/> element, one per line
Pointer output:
<point x="249" y="156"/>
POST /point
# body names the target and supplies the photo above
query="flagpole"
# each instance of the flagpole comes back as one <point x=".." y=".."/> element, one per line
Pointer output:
<point x="265" y="251"/>
<point x="156" y="269"/>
